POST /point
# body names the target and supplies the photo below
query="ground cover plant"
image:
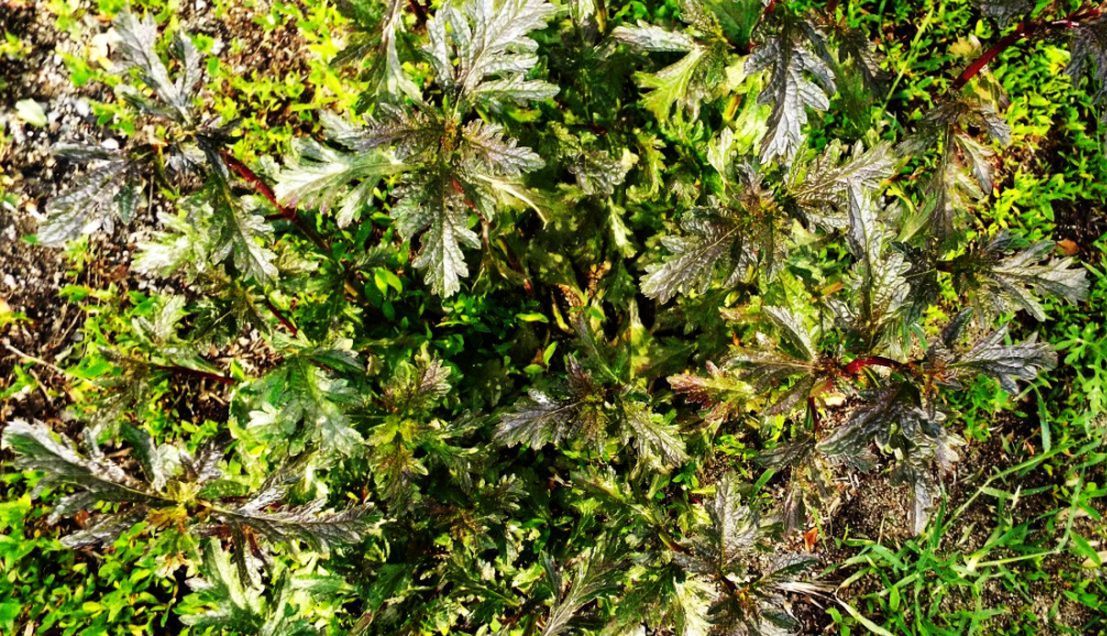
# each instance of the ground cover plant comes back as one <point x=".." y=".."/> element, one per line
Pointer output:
<point x="537" y="317"/>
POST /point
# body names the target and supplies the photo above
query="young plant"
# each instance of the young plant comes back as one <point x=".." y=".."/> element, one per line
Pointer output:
<point x="176" y="490"/>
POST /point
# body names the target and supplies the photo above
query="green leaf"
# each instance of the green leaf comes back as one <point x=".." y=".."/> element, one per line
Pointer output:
<point x="301" y="403"/>
<point x="595" y="574"/>
<point x="223" y="597"/>
<point x="685" y="83"/>
<point x="316" y="176"/>
<point x="656" y="441"/>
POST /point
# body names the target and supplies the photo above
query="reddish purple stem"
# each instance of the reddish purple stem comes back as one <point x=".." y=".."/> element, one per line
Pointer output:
<point x="1023" y="30"/>
<point x="855" y="367"/>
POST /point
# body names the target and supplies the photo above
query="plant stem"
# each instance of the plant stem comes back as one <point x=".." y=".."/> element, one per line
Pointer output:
<point x="290" y="214"/>
<point x="284" y="212"/>
<point x="1024" y="30"/>
<point x="196" y="373"/>
<point x="285" y="322"/>
<point x="256" y="182"/>
<point x="855" y="367"/>
<point x="39" y="361"/>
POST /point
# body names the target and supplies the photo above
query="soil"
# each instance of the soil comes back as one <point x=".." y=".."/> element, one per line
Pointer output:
<point x="31" y="276"/>
<point x="48" y="327"/>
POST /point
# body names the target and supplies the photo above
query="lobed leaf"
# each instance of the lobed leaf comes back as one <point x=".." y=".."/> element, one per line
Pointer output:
<point x="798" y="80"/>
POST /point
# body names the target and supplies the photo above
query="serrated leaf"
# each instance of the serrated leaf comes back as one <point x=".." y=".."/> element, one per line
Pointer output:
<point x="437" y="197"/>
<point x="595" y="574"/>
<point x="724" y="395"/>
<point x="416" y="387"/>
<point x="302" y="403"/>
<point x="1006" y="363"/>
<point x="1001" y="278"/>
<point x="709" y="242"/>
<point x="798" y="80"/>
<point x="36" y="447"/>
<point x="792" y="327"/>
<point x="735" y="526"/>
<point x="538" y="420"/>
<point x="964" y="172"/>
<point x="656" y="441"/>
<point x="693" y="599"/>
<point x="881" y="288"/>
<point x="875" y="418"/>
<point x="488" y="39"/>
<point x="769" y="369"/>
<point x="317" y="176"/>
<point x="180" y="245"/>
<point x="734" y="532"/>
<point x="693" y="78"/>
<point x="1088" y="55"/>
<point x="138" y="41"/>
<point x="494" y="153"/>
<point x="820" y="184"/>
<point x="386" y="75"/>
<point x="414" y="134"/>
<point x="239" y="234"/>
<point x="312" y="523"/>
<point x="106" y="192"/>
<point x="647" y="37"/>
<point x="1005" y="12"/>
<point x="224" y="598"/>
<point x="439" y="214"/>
<point x="600" y="173"/>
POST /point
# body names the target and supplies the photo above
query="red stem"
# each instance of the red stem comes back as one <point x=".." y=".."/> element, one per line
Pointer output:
<point x="256" y="182"/>
<point x="855" y="367"/>
<point x="1023" y="30"/>
<point x="285" y="322"/>
<point x="284" y="212"/>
